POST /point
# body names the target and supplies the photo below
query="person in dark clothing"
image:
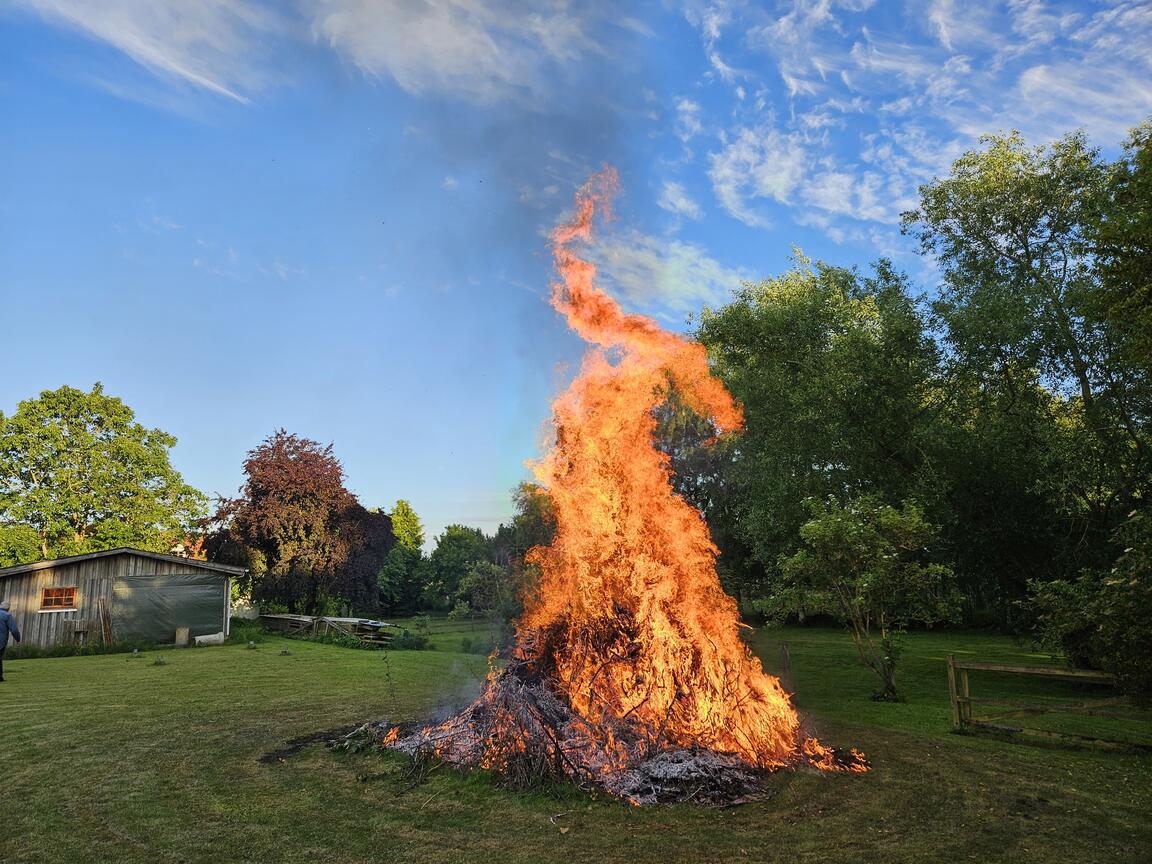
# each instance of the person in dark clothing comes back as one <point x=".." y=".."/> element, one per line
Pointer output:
<point x="7" y="626"/>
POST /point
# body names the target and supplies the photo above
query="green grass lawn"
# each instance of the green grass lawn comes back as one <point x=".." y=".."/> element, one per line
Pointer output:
<point x="115" y="759"/>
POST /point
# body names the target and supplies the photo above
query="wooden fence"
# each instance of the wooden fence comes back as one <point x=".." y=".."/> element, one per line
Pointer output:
<point x="960" y="691"/>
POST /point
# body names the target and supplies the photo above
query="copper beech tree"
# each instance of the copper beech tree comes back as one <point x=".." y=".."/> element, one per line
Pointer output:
<point x="308" y="542"/>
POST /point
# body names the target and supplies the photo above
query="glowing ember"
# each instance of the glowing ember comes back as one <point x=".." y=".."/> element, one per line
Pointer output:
<point x="628" y="670"/>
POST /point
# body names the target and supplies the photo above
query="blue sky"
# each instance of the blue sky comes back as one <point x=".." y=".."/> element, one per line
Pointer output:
<point x="330" y="215"/>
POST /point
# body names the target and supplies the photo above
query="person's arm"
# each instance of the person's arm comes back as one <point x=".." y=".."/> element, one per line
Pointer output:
<point x="15" y="630"/>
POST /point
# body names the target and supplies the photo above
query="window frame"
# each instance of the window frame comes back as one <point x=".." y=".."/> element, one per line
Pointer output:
<point x="61" y="593"/>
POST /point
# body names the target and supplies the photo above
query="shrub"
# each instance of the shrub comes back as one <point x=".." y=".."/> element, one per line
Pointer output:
<point x="1104" y="620"/>
<point x="409" y="641"/>
<point x="241" y="630"/>
<point x="334" y="637"/>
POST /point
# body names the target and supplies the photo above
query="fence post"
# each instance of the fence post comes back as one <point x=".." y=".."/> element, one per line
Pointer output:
<point x="785" y="666"/>
<point x="956" y="724"/>
<point x="966" y="705"/>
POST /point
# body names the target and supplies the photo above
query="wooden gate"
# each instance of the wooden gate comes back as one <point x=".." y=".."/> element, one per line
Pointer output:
<point x="960" y="691"/>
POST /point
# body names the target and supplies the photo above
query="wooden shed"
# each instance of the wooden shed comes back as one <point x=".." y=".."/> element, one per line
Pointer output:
<point x="119" y="595"/>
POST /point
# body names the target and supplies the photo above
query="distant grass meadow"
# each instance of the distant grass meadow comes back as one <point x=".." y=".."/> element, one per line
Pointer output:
<point x="116" y="759"/>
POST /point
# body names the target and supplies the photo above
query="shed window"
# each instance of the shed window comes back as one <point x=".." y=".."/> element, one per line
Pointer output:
<point x="58" y="598"/>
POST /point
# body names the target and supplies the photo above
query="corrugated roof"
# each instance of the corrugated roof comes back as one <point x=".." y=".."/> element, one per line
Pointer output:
<point x="72" y="559"/>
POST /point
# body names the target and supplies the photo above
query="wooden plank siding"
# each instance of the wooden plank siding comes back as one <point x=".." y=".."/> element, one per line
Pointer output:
<point x="93" y="578"/>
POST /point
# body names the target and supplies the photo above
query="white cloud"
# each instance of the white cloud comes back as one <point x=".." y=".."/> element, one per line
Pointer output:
<point x="968" y="25"/>
<point x="688" y="123"/>
<point x="208" y="44"/>
<point x="851" y="113"/>
<point x="855" y="194"/>
<point x="449" y="183"/>
<point x="472" y="49"/>
<point x="1062" y="96"/>
<point x="756" y="163"/>
<point x="648" y="272"/>
<point x="711" y="18"/>
<point x="675" y="199"/>
<point x="478" y="50"/>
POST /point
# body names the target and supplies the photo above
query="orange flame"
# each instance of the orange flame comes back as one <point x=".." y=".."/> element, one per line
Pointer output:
<point x="648" y="632"/>
<point x="630" y="629"/>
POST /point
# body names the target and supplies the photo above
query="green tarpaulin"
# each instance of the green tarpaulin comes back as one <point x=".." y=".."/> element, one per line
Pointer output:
<point x="151" y="608"/>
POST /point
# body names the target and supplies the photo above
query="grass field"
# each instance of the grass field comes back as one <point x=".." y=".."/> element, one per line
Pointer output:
<point x="115" y="759"/>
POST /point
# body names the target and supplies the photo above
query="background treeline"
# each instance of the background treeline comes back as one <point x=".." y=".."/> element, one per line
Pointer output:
<point x="978" y="454"/>
<point x="1008" y="413"/>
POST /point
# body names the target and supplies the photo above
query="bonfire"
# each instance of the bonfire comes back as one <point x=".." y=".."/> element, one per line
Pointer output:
<point x="628" y="671"/>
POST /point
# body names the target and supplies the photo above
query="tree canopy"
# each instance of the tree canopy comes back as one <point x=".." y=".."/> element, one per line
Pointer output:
<point x="77" y="469"/>
<point x="406" y="526"/>
<point x="1009" y="413"/>
<point x="870" y="565"/>
<point x="307" y="540"/>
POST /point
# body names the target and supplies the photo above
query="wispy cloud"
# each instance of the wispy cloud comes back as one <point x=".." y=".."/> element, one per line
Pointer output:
<point x="478" y="50"/>
<point x="675" y="199"/>
<point x="688" y="124"/>
<point x="851" y="114"/>
<point x="207" y="44"/>
<point x="755" y="163"/>
<point x="656" y="272"/>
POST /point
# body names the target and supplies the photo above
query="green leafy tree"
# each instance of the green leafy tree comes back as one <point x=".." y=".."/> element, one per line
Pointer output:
<point x="837" y="377"/>
<point x="79" y="470"/>
<point x="1012" y="228"/>
<point x="533" y="524"/>
<point x="994" y="450"/>
<point x="405" y="573"/>
<point x="457" y="549"/>
<point x="869" y="564"/>
<point x="489" y="589"/>
<point x="704" y="473"/>
<point x="1122" y="242"/>
<point x="19" y="544"/>
<point x="1007" y="227"/>
<point x="406" y="526"/>
<point x="404" y="579"/>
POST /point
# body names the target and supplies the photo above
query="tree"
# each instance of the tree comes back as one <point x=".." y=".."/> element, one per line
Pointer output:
<point x="1122" y="242"/>
<point x="533" y="524"/>
<point x="306" y="537"/>
<point x="837" y="377"/>
<point x="994" y="451"/>
<point x="19" y="544"/>
<point x="487" y="589"/>
<point x="1104" y="619"/>
<point x="704" y="473"/>
<point x="1007" y="226"/>
<point x="1012" y="227"/>
<point x="406" y="526"/>
<point x="403" y="579"/>
<point x="405" y="573"/>
<point x="868" y="564"/>
<point x="364" y="539"/>
<point x="457" y="549"/>
<point x="80" y="471"/>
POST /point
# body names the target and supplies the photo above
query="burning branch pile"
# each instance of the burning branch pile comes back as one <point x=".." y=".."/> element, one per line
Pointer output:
<point x="628" y="671"/>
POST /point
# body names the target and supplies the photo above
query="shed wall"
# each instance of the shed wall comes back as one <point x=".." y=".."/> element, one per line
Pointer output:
<point x="93" y="580"/>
